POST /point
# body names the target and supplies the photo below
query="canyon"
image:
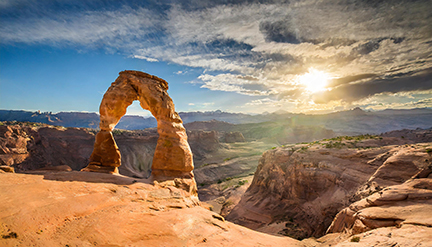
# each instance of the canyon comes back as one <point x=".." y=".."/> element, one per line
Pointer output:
<point x="298" y="189"/>
<point x="349" y="122"/>
<point x="325" y="190"/>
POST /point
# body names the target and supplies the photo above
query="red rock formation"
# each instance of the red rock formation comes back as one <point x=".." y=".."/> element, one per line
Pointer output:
<point x="173" y="157"/>
<point x="27" y="146"/>
<point x="231" y="137"/>
<point x="296" y="191"/>
<point x="407" y="203"/>
<point x="94" y="209"/>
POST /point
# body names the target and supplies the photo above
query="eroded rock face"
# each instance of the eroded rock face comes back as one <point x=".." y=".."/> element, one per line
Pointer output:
<point x="172" y="157"/>
<point x="298" y="190"/>
<point x="231" y="137"/>
<point x="407" y="203"/>
<point x="27" y="147"/>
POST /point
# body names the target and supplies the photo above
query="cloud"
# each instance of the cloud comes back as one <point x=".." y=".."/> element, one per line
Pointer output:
<point x="421" y="81"/>
<point x="254" y="48"/>
<point x="233" y="83"/>
<point x="348" y="79"/>
<point x="403" y="100"/>
<point x="91" y="28"/>
<point x="149" y="59"/>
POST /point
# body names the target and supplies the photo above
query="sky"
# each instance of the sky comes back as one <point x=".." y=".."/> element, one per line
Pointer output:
<point x="310" y="56"/>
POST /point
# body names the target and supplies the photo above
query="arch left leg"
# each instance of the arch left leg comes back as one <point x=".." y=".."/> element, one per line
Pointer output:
<point x="106" y="155"/>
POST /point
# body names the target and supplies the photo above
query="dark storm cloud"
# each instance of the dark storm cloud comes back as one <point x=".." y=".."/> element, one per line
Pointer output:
<point x="348" y="79"/>
<point x="279" y="31"/>
<point x="368" y="47"/>
<point x="353" y="92"/>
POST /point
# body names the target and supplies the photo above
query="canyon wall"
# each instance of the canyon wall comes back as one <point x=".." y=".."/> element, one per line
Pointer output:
<point x="297" y="190"/>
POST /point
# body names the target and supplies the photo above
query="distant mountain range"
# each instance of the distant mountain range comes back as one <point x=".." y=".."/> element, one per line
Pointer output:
<point x="355" y="121"/>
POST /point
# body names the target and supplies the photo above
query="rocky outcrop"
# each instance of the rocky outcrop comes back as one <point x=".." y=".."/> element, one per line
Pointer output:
<point x="172" y="156"/>
<point x="27" y="147"/>
<point x="417" y="135"/>
<point x="203" y="143"/>
<point x="231" y="137"/>
<point x="407" y="203"/>
<point x="207" y="141"/>
<point x="7" y="169"/>
<point x="298" y="190"/>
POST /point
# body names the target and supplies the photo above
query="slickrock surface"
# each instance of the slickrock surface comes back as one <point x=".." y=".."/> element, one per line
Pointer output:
<point x="298" y="190"/>
<point x="172" y="157"/>
<point x="407" y="203"/>
<point x="95" y="209"/>
<point x="399" y="215"/>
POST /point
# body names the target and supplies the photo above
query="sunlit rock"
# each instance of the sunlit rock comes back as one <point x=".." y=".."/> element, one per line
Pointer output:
<point x="172" y="157"/>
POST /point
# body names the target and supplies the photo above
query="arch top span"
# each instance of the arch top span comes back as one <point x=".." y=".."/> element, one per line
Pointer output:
<point x="162" y="82"/>
<point x="173" y="157"/>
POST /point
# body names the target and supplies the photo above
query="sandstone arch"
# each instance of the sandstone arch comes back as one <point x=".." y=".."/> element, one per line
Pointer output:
<point x="172" y="157"/>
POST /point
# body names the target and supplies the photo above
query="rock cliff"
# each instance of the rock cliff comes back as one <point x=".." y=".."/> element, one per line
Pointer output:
<point x="297" y="190"/>
<point x="31" y="146"/>
<point x="28" y="146"/>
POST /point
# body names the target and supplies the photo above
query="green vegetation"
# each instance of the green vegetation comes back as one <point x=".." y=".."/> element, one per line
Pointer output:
<point x="355" y="138"/>
<point x="355" y="239"/>
<point x="429" y="150"/>
<point x="236" y="184"/>
<point x="338" y="145"/>
<point x="228" y="203"/>
<point x="229" y="158"/>
<point x="117" y="132"/>
<point x="26" y="124"/>
<point x="339" y="142"/>
<point x="242" y="182"/>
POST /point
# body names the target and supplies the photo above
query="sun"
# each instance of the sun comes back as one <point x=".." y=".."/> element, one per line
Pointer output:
<point x="314" y="81"/>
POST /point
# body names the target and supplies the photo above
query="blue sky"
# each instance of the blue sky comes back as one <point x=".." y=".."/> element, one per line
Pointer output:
<point x="238" y="56"/>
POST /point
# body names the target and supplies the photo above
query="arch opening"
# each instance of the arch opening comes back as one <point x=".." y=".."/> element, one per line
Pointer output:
<point x="172" y="157"/>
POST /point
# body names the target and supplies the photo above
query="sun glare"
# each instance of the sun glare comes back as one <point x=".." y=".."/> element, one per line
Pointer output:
<point x="314" y="81"/>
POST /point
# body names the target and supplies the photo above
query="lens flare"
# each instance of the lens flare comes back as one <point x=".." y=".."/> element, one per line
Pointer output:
<point x="314" y="81"/>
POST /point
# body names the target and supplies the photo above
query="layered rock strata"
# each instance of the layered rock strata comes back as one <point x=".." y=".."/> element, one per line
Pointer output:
<point x="407" y="203"/>
<point x="297" y="191"/>
<point x="172" y="157"/>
